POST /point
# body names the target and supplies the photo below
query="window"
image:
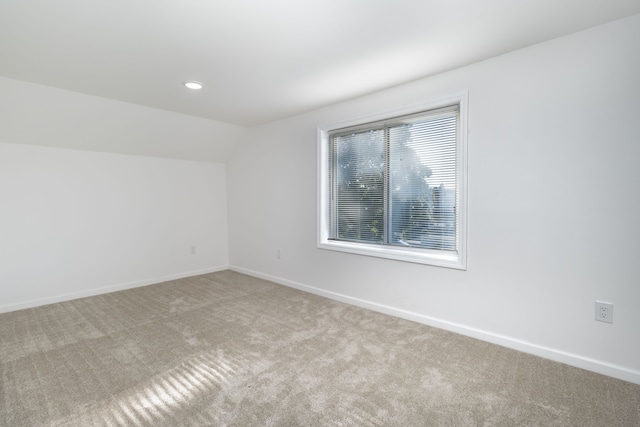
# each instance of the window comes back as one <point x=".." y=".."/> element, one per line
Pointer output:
<point x="393" y="185"/>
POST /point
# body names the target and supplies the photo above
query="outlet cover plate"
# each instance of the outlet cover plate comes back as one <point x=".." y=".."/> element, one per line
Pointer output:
<point x="604" y="311"/>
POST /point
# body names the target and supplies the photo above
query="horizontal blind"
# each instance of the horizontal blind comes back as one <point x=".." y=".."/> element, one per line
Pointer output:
<point x="422" y="210"/>
<point x="394" y="182"/>
<point x="359" y="186"/>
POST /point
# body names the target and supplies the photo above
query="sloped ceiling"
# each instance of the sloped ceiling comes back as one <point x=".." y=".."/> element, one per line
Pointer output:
<point x="265" y="60"/>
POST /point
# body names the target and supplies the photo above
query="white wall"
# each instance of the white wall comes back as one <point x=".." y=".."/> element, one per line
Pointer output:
<point x="554" y="143"/>
<point x="76" y="223"/>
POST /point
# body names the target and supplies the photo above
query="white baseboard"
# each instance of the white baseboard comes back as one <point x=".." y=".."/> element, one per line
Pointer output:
<point x="106" y="289"/>
<point x="578" y="361"/>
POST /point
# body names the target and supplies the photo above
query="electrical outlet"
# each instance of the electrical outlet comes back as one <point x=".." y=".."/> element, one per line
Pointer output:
<point x="604" y="311"/>
<point x="279" y="254"/>
<point x="193" y="250"/>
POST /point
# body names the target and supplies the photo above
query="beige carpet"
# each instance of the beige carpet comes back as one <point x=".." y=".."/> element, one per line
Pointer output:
<point x="224" y="349"/>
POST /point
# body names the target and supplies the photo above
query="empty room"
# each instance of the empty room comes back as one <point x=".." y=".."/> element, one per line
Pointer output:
<point x="319" y="213"/>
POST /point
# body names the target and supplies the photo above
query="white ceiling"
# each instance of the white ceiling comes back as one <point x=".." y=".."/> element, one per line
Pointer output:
<point x="262" y="60"/>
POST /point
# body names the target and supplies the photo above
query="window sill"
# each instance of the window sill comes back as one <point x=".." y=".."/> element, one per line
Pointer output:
<point x="452" y="259"/>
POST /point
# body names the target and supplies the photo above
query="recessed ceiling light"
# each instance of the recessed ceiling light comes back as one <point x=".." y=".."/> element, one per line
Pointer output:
<point x="194" y="85"/>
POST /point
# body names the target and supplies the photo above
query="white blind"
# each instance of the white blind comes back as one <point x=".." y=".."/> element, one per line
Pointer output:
<point x="394" y="182"/>
<point x="359" y="187"/>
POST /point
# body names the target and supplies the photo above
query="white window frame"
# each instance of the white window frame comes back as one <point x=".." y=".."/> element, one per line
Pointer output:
<point x="453" y="259"/>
